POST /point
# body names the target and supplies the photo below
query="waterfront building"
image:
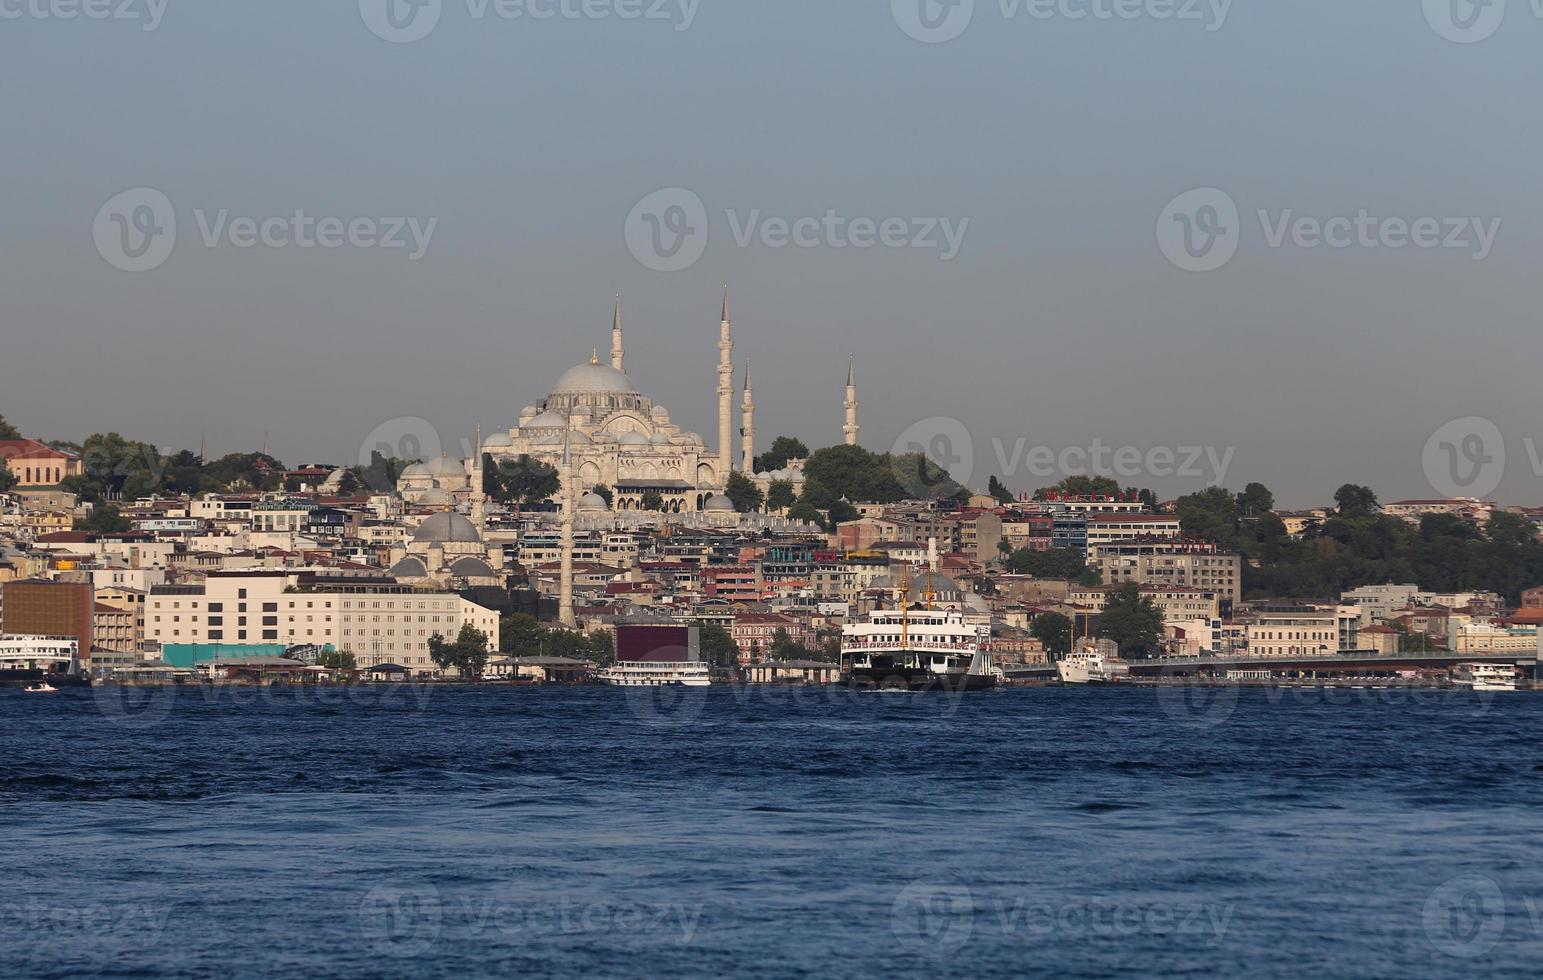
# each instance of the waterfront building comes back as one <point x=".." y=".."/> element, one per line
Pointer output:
<point x="376" y="619"/>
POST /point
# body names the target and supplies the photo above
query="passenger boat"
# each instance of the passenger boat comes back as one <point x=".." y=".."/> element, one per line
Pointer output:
<point x="1487" y="677"/>
<point x="690" y="673"/>
<point x="41" y="687"/>
<point x="1086" y="665"/>
<point x="916" y="650"/>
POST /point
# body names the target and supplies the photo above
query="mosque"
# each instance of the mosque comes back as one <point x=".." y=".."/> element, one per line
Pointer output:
<point x="616" y="436"/>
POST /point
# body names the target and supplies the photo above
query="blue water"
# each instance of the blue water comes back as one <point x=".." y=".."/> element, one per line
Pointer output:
<point x="603" y="833"/>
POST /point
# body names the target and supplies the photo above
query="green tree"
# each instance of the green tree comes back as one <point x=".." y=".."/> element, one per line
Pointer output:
<point x="337" y="660"/>
<point x="807" y="512"/>
<point x="996" y="489"/>
<point x="602" y="648"/>
<point x="718" y="647"/>
<point x="104" y="519"/>
<point x="8" y="480"/>
<point x="468" y="655"/>
<point x="7" y="430"/>
<point x="742" y="491"/>
<point x="85" y="489"/>
<point x="1131" y="620"/>
<point x="780" y="495"/>
<point x="348" y="484"/>
<point x="1053" y="563"/>
<point x="520" y="635"/>
<point x="184" y="473"/>
<point x="522" y="480"/>
<point x="652" y="500"/>
<point x="236" y="471"/>
<point x="783" y="448"/>
<point x="841" y="512"/>
<point x="1355" y="501"/>
<point x="1256" y="499"/>
<point x="383" y="471"/>
<point x="1055" y="632"/>
<point x="784" y="647"/>
<point x="122" y="467"/>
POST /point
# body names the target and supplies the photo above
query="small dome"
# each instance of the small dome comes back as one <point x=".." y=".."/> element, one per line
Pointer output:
<point x="547" y="420"/>
<point x="659" y="439"/>
<point x="578" y="438"/>
<point x="693" y="439"/>
<point x="590" y="379"/>
<point x="445" y="466"/>
<point x="447" y="528"/>
<point x="661" y="413"/>
<point x="435" y="497"/>
<point x="409" y="567"/>
<point x="632" y="439"/>
<point x="415" y="470"/>
<point x="472" y="568"/>
<point x="719" y="503"/>
<point x="528" y="412"/>
<point x="593" y="501"/>
<point x="498" y="440"/>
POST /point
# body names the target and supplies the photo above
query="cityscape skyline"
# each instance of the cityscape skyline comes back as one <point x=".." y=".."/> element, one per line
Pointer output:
<point x="1039" y="302"/>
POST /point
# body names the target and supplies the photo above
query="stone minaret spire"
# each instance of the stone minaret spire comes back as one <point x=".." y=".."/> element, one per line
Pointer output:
<point x="725" y="393"/>
<point x="565" y="614"/>
<point x="851" y="426"/>
<point x="479" y="498"/>
<point x="748" y="432"/>
<point x="618" y="353"/>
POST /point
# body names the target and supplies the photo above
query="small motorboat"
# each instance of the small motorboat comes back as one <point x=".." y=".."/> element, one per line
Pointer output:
<point x="41" y="687"/>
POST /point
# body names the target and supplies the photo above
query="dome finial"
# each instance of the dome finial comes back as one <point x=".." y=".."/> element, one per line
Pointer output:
<point x="594" y="357"/>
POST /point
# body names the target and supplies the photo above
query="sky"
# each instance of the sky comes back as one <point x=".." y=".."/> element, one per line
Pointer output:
<point x="1050" y="279"/>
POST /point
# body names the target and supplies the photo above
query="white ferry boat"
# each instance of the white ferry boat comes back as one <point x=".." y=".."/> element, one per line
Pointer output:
<point x="1487" y="677"/>
<point x="27" y="659"/>
<point x="691" y="673"/>
<point x="916" y="650"/>
<point x="1087" y="665"/>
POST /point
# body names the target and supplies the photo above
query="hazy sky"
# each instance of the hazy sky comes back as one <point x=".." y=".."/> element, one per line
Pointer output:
<point x="529" y="141"/>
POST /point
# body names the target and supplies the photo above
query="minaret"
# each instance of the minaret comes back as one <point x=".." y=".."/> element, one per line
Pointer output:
<point x="851" y="426"/>
<point x="725" y="394"/>
<point x="565" y="614"/>
<point x="479" y="498"/>
<point x="618" y="354"/>
<point x="748" y="432"/>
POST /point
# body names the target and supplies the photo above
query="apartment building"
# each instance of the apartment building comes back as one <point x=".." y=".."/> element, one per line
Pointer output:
<point x="1286" y="631"/>
<point x="1175" y="602"/>
<point x="376" y="620"/>
<point x="1173" y="563"/>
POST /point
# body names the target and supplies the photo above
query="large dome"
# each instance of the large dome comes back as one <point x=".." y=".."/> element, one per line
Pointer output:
<point x="594" y="379"/>
<point x="447" y="528"/>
